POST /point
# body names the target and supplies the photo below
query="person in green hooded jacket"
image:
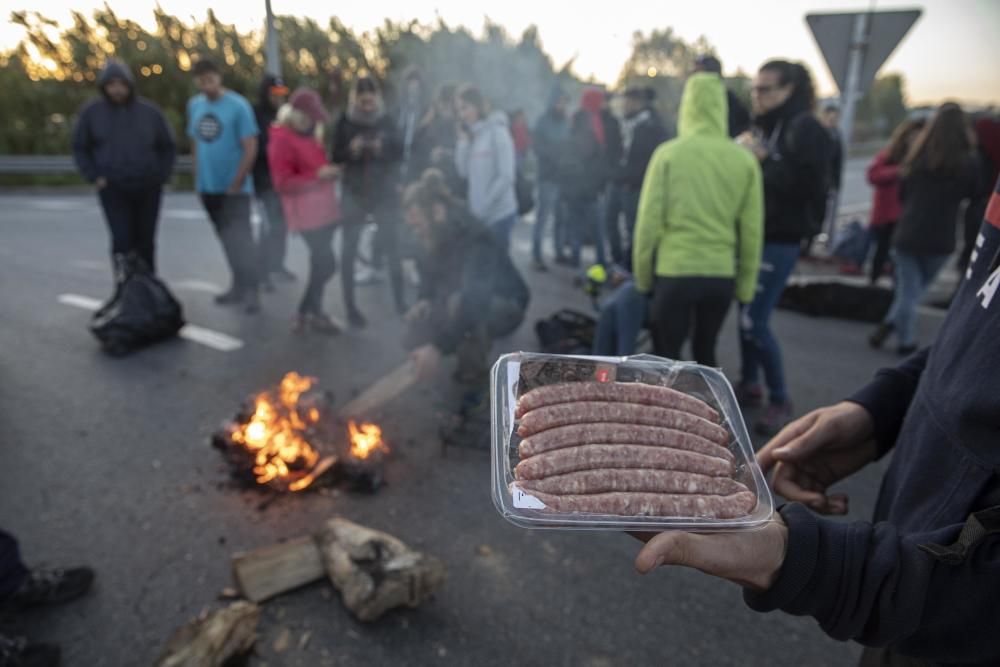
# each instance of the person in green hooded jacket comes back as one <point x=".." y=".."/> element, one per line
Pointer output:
<point x="699" y="233"/>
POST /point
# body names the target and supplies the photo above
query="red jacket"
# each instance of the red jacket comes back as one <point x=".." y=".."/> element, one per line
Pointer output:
<point x="886" y="207"/>
<point x="295" y="159"/>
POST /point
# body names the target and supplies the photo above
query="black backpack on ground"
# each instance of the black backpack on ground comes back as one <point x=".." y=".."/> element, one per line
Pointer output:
<point x="566" y="332"/>
<point x="142" y="310"/>
<point x="832" y="298"/>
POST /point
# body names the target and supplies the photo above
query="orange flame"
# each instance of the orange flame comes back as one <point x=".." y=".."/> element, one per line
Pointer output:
<point x="274" y="435"/>
<point x="365" y="440"/>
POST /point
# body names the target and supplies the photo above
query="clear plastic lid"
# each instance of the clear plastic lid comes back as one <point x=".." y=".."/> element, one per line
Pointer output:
<point x="518" y="373"/>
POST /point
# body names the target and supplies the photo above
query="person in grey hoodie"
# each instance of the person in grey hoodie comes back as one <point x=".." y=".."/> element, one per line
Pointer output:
<point x="123" y="145"/>
<point x="484" y="157"/>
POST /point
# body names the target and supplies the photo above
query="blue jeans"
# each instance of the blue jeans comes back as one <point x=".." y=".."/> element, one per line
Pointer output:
<point x="585" y="214"/>
<point x="502" y="229"/>
<point x="621" y="319"/>
<point x="758" y="345"/>
<point x="548" y="206"/>
<point x="914" y="274"/>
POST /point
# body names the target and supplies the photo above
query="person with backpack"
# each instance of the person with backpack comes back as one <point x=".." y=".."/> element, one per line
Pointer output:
<point x="274" y="234"/>
<point x="484" y="157"/>
<point x="123" y="145"/>
<point x="939" y="173"/>
<point x="368" y="149"/>
<point x="794" y="154"/>
<point x="701" y="216"/>
<point x="550" y="133"/>
<point x="585" y="172"/>
<point x="305" y="181"/>
<point x="883" y="176"/>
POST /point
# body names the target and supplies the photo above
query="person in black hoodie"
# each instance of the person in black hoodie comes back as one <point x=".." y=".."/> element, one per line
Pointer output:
<point x="917" y="585"/>
<point x="642" y="132"/>
<point x="794" y="153"/>
<point x="367" y="145"/>
<point x="123" y="145"/>
<point x="470" y="291"/>
<point x="274" y="239"/>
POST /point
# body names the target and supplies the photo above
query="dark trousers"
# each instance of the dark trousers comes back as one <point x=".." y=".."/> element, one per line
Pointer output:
<point x="131" y="214"/>
<point x="322" y="266"/>
<point x="273" y="235"/>
<point x="680" y="304"/>
<point x="12" y="570"/>
<point x="230" y="215"/>
<point x="500" y="317"/>
<point x="883" y="244"/>
<point x="612" y="221"/>
<point x="630" y="209"/>
<point x="386" y="244"/>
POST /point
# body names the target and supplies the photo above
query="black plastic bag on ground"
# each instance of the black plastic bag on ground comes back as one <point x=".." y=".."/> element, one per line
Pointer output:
<point x="566" y="332"/>
<point x="840" y="299"/>
<point x="142" y="310"/>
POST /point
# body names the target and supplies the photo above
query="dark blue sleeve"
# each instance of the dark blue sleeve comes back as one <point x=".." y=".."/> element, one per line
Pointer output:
<point x="865" y="582"/>
<point x="888" y="396"/>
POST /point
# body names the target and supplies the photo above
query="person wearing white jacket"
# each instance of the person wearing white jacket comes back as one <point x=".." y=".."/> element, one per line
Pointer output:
<point x="484" y="157"/>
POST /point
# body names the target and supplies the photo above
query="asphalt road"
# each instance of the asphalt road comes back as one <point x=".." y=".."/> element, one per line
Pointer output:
<point x="106" y="462"/>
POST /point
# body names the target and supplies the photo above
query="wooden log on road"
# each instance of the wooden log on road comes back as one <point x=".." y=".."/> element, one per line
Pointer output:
<point x="213" y="639"/>
<point x="385" y="389"/>
<point x="272" y="570"/>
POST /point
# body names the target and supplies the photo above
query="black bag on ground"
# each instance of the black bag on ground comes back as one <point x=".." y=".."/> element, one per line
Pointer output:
<point x="141" y="311"/>
<point x="832" y="298"/>
<point x="566" y="332"/>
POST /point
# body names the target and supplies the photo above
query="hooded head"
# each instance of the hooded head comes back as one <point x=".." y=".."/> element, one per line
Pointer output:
<point x="557" y="101"/>
<point x="365" y="105"/>
<point x="704" y="109"/>
<point x="272" y="92"/>
<point x="117" y="83"/>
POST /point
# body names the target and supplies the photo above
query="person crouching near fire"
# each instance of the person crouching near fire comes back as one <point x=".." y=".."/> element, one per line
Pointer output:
<point x="470" y="292"/>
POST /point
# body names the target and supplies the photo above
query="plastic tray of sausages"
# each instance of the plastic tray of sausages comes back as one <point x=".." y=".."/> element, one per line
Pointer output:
<point x="621" y="443"/>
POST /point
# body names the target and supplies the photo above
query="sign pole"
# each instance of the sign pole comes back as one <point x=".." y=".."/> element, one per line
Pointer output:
<point x="852" y="93"/>
<point x="273" y="65"/>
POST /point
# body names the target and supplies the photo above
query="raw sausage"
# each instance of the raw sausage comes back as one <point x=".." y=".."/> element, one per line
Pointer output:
<point x="597" y="457"/>
<point x="654" y="504"/>
<point x="587" y="412"/>
<point x="630" y="479"/>
<point x="626" y="434"/>
<point x="623" y="392"/>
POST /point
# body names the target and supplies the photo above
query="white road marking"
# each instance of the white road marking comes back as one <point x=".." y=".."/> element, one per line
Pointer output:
<point x="184" y="214"/>
<point x="55" y="204"/>
<point x="192" y="332"/>
<point x="196" y="286"/>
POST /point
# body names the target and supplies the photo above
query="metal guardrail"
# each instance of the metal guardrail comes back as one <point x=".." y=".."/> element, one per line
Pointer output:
<point x="61" y="164"/>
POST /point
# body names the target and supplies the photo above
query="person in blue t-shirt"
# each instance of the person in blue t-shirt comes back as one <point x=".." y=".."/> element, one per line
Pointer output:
<point x="223" y="134"/>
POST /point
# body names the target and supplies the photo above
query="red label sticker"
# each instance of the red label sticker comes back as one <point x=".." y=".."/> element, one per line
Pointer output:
<point x="993" y="212"/>
<point x="603" y="375"/>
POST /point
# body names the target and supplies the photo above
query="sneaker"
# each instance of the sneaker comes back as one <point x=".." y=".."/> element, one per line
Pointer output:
<point x="251" y="302"/>
<point x="365" y="275"/>
<point x="229" y="298"/>
<point x="45" y="587"/>
<point x="18" y="652"/>
<point x="321" y="323"/>
<point x="749" y="395"/>
<point x="356" y="319"/>
<point x="906" y="350"/>
<point x="539" y="266"/>
<point x="774" y="419"/>
<point x="878" y="337"/>
<point x="284" y="275"/>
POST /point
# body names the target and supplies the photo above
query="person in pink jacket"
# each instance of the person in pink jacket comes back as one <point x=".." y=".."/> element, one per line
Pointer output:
<point x="304" y="179"/>
<point x="883" y="174"/>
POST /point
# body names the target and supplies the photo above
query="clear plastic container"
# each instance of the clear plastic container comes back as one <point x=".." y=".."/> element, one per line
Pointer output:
<point x="516" y="373"/>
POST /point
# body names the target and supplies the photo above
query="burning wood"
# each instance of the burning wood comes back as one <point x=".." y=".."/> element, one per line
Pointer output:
<point x="279" y="437"/>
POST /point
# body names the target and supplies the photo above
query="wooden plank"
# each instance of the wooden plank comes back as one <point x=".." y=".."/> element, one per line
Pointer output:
<point x="263" y="573"/>
<point x="385" y="389"/>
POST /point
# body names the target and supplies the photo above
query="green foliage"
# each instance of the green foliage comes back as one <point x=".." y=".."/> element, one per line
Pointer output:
<point x="882" y="108"/>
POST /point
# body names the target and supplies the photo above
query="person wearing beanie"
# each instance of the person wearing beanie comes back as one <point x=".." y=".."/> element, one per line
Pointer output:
<point x="305" y="181"/>
<point x="223" y="133"/>
<point x="124" y="146"/>
<point x="271" y="96"/>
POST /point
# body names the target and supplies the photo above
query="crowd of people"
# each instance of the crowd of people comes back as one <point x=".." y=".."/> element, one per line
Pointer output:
<point x="687" y="226"/>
